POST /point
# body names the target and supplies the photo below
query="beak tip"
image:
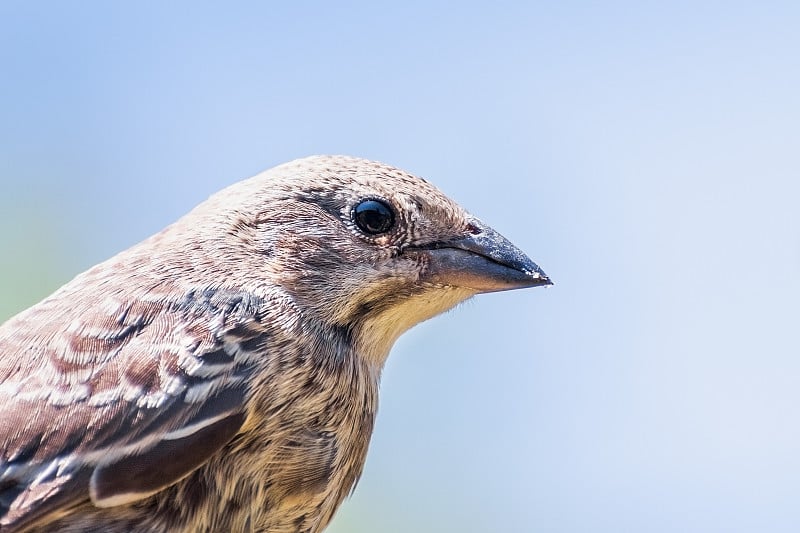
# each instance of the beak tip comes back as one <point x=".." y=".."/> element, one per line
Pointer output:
<point x="540" y="279"/>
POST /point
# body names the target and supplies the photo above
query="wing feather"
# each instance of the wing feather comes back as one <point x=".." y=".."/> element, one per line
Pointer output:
<point x="121" y="402"/>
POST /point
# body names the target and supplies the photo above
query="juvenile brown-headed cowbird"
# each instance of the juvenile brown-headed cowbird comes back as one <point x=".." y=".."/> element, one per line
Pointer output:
<point x="222" y="375"/>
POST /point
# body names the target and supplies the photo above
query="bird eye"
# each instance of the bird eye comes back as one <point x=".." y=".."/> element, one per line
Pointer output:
<point x="373" y="217"/>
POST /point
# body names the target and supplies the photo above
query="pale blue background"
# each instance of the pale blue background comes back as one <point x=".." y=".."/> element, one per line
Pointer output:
<point x="646" y="154"/>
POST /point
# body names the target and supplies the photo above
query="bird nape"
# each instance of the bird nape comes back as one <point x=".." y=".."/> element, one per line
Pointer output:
<point x="222" y="375"/>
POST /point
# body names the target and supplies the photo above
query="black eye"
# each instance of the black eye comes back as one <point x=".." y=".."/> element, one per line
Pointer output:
<point x="373" y="217"/>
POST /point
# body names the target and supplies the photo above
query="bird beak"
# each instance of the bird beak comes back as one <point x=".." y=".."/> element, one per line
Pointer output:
<point x="483" y="261"/>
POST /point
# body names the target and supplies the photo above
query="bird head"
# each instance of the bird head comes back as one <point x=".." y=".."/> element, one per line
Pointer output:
<point x="360" y="245"/>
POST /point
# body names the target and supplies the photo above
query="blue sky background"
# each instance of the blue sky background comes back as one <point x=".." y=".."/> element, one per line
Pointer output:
<point x="645" y="154"/>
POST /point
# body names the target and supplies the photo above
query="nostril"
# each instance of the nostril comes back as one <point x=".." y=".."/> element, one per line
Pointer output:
<point x="473" y="228"/>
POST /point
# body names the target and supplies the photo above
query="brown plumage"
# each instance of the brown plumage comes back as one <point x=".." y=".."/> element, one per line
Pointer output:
<point x="223" y="374"/>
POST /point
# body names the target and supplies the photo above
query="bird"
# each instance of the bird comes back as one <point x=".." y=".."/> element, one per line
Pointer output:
<point x="222" y="375"/>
